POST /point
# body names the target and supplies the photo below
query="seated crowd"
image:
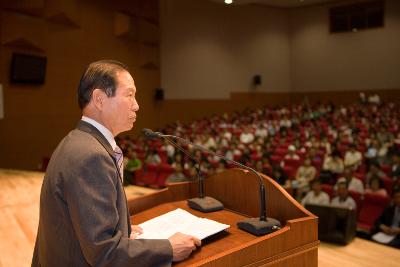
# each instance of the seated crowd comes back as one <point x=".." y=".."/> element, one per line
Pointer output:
<point x="321" y="154"/>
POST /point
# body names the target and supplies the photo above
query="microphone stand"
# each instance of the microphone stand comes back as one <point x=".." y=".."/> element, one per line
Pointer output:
<point x="256" y="226"/>
<point x="201" y="203"/>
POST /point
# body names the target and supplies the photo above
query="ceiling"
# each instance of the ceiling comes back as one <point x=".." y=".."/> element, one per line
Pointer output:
<point x="280" y="3"/>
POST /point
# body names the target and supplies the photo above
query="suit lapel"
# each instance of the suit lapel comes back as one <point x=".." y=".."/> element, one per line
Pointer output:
<point x="87" y="127"/>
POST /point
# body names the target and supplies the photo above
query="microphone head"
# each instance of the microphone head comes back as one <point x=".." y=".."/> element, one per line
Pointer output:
<point x="149" y="133"/>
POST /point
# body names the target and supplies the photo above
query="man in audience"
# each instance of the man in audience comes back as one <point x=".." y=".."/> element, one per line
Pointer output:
<point x="389" y="221"/>
<point x="352" y="182"/>
<point x="333" y="163"/>
<point x="352" y="158"/>
<point x="343" y="199"/>
<point x="316" y="196"/>
<point x="247" y="136"/>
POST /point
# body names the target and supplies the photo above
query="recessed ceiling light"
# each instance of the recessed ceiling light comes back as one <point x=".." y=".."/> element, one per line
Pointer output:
<point x="228" y="2"/>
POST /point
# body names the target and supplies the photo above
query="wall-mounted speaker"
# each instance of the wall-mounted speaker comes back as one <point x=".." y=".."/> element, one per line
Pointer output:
<point x="257" y="80"/>
<point x="159" y="94"/>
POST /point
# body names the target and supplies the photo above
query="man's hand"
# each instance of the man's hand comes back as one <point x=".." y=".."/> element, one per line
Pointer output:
<point x="136" y="230"/>
<point x="183" y="245"/>
<point x="385" y="229"/>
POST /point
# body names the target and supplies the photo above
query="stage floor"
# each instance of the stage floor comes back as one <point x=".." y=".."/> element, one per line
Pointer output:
<point x="19" y="210"/>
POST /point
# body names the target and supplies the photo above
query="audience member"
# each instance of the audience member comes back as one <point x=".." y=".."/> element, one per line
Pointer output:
<point x="316" y="196"/>
<point x="389" y="221"/>
<point x="374" y="171"/>
<point x="352" y="183"/>
<point x="343" y="199"/>
<point x="375" y="186"/>
<point x="352" y="157"/>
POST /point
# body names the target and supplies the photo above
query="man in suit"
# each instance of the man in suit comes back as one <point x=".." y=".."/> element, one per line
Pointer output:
<point x="84" y="219"/>
<point x="389" y="221"/>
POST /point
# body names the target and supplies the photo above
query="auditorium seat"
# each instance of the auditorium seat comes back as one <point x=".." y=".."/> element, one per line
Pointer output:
<point x="328" y="189"/>
<point x="388" y="184"/>
<point x="150" y="174"/>
<point x="372" y="208"/>
<point x="165" y="171"/>
<point x="358" y="198"/>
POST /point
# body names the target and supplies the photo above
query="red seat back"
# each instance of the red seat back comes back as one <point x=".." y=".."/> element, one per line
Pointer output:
<point x="371" y="209"/>
<point x="328" y="189"/>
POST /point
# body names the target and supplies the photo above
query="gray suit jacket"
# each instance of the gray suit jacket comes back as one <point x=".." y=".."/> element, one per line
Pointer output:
<point x="84" y="219"/>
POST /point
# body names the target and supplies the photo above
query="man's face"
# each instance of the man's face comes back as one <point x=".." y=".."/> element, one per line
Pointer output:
<point x="119" y="111"/>
<point x="342" y="191"/>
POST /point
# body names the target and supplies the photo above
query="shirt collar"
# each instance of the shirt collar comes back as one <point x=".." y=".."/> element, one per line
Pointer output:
<point x="103" y="130"/>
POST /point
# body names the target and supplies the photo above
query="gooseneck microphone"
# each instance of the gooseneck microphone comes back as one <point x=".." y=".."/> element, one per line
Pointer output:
<point x="257" y="226"/>
<point x="201" y="203"/>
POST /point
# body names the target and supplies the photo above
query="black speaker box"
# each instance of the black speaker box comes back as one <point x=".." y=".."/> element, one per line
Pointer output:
<point x="159" y="94"/>
<point x="257" y="80"/>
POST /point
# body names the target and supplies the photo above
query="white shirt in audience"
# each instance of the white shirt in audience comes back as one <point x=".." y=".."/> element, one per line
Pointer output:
<point x="246" y="138"/>
<point x="355" y="185"/>
<point x="261" y="132"/>
<point x="352" y="158"/>
<point x="348" y="203"/>
<point x="311" y="198"/>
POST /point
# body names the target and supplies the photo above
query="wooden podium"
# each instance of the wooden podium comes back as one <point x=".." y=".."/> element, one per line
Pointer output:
<point x="295" y="244"/>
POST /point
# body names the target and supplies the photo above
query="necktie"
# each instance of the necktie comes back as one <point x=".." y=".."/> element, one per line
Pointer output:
<point x="119" y="157"/>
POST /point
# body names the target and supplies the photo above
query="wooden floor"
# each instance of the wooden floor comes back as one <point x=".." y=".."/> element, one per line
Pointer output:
<point x="19" y="212"/>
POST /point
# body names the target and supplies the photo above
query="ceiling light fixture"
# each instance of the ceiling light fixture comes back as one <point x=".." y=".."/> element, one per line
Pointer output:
<point x="228" y="2"/>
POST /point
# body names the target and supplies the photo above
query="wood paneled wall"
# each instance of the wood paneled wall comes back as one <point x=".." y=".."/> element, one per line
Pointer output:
<point x="71" y="34"/>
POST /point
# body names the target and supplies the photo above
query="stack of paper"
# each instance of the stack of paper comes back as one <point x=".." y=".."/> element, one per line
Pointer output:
<point x="179" y="220"/>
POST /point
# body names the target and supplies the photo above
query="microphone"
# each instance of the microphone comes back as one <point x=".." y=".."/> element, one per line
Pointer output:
<point x="256" y="226"/>
<point x="150" y="134"/>
<point x="201" y="203"/>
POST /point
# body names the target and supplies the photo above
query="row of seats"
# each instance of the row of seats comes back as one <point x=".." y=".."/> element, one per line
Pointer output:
<point x="369" y="206"/>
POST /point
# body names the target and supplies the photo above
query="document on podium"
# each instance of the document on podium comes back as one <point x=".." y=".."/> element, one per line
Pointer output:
<point x="179" y="220"/>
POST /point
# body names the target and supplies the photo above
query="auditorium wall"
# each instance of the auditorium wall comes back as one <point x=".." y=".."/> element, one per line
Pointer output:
<point x="210" y="50"/>
<point x="362" y="60"/>
<point x="70" y="34"/>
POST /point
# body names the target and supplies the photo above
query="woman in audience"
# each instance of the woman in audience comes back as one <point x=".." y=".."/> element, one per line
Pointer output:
<point x="375" y="186"/>
<point x="316" y="196"/>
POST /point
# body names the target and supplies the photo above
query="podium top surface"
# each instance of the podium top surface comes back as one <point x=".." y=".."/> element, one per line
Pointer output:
<point x="221" y="242"/>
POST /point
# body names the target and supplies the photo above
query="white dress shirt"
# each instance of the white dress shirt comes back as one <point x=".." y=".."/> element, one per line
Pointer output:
<point x="103" y="130"/>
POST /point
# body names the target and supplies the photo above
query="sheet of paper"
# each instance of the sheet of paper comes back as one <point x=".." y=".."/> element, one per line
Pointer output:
<point x="383" y="238"/>
<point x="179" y="220"/>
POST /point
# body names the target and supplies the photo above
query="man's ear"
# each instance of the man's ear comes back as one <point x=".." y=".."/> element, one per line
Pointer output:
<point x="98" y="98"/>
